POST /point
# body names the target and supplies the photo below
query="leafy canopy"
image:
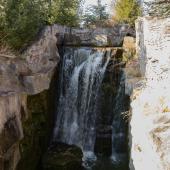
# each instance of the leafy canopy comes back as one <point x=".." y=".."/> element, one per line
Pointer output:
<point x="95" y="15"/>
<point x="64" y="12"/>
<point x="20" y="20"/>
<point x="126" y="11"/>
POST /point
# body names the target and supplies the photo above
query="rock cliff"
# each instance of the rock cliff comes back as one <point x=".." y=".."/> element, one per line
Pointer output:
<point x="150" y="101"/>
<point x="20" y="76"/>
<point x="30" y="74"/>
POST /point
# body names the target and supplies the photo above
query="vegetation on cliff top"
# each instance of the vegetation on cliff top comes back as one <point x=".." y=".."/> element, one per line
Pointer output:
<point x="126" y="11"/>
<point x="95" y="15"/>
<point x="20" y="20"/>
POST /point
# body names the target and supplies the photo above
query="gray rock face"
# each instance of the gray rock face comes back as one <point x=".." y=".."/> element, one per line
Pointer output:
<point x="62" y="156"/>
<point x="20" y="77"/>
<point x="99" y="37"/>
<point x="32" y="73"/>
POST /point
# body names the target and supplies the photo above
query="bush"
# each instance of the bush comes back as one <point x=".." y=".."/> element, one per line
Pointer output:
<point x="64" y="12"/>
<point x="21" y="20"/>
<point x="126" y="11"/>
<point x="95" y="15"/>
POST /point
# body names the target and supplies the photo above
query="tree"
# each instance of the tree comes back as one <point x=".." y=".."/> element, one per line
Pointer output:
<point x="21" y="20"/>
<point x="64" y="12"/>
<point x="24" y="18"/>
<point x="2" y="19"/>
<point x="126" y="11"/>
<point x="95" y="15"/>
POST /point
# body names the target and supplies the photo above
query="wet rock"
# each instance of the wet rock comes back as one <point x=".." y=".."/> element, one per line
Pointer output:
<point x="63" y="157"/>
<point x="103" y="143"/>
<point x="9" y="147"/>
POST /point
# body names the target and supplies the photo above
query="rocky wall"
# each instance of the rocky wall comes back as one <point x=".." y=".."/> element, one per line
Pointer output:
<point x="150" y="105"/>
<point x="27" y="74"/>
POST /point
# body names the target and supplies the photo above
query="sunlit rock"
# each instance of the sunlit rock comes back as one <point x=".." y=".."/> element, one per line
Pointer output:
<point x="150" y="123"/>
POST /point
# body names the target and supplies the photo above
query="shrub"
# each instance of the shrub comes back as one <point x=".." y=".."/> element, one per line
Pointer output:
<point x="96" y="15"/>
<point x="64" y="12"/>
<point x="21" y="20"/>
<point x="126" y="11"/>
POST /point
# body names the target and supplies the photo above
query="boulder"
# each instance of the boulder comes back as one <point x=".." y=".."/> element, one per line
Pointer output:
<point x="63" y="157"/>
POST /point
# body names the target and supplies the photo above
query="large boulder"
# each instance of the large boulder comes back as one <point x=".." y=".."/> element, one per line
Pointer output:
<point x="63" y="157"/>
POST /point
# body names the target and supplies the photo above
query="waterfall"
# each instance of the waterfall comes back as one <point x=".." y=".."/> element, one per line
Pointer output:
<point x="81" y="76"/>
<point x="119" y="127"/>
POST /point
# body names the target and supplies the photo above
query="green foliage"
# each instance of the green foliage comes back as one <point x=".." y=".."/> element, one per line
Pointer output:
<point x="64" y="12"/>
<point x="36" y="132"/>
<point x="127" y="11"/>
<point x="21" y="20"/>
<point x="95" y="15"/>
<point x="2" y="19"/>
<point x="2" y="13"/>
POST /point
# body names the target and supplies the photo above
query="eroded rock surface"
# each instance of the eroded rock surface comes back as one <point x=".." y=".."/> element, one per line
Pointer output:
<point x="21" y="76"/>
<point x="150" y="123"/>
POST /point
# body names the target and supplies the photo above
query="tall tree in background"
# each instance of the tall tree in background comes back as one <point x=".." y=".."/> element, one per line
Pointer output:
<point x="95" y="15"/>
<point x="2" y="19"/>
<point x="99" y="5"/>
<point x="126" y="11"/>
<point x="64" y="12"/>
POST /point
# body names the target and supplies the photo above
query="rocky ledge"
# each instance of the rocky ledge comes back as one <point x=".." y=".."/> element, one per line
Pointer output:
<point x="98" y="37"/>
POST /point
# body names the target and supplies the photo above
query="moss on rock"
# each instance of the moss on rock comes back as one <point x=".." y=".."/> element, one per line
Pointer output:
<point x="35" y="132"/>
<point x="63" y="157"/>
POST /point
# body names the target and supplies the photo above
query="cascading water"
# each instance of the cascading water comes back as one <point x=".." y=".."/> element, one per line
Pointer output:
<point x="81" y="78"/>
<point x="119" y="127"/>
<point x="87" y="114"/>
